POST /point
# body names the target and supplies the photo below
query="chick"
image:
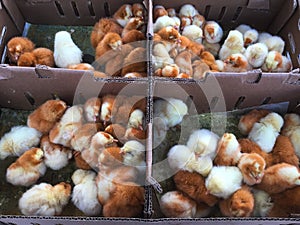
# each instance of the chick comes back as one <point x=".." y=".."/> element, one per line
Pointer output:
<point x="84" y="194"/>
<point x="56" y="156"/>
<point x="223" y="181"/>
<point x="39" y="56"/>
<point x="45" y="200"/>
<point x="174" y="111"/>
<point x="127" y="200"/>
<point x="291" y="129"/>
<point x="82" y="137"/>
<point x="110" y="158"/>
<point x="213" y="48"/>
<point x="27" y="169"/>
<point x="188" y="10"/>
<point x="108" y="47"/>
<point x="256" y="54"/>
<point x="193" y="32"/>
<point x="250" y="37"/>
<point x="80" y="162"/>
<point x="262" y="203"/>
<point x="275" y="43"/>
<point x="239" y="204"/>
<point x="247" y="121"/>
<point x="184" y="61"/>
<point x="213" y="32"/>
<point x="236" y="62"/>
<point x="163" y="21"/>
<point x="159" y="11"/>
<point x="203" y="142"/>
<point x="199" y="20"/>
<point x="18" y="140"/>
<point x="17" y="46"/>
<point x="116" y="130"/>
<point x="46" y="115"/>
<point x="123" y="14"/>
<point x="135" y="61"/>
<point x="285" y="66"/>
<point x="209" y="59"/>
<point x="161" y="56"/>
<point x="131" y="31"/>
<point x="27" y="59"/>
<point x="174" y="204"/>
<point x="252" y="166"/>
<point x="272" y="62"/>
<point x="102" y="27"/>
<point x="169" y="34"/>
<point x="138" y="10"/>
<point x="136" y="119"/>
<point x="66" y="52"/>
<point x="171" y="12"/>
<point x="179" y="157"/>
<point x="263" y="36"/>
<point x="279" y="178"/>
<point x="106" y="109"/>
<point x="193" y="185"/>
<point x="81" y="66"/>
<point x="265" y="132"/>
<point x="228" y="151"/>
<point x="200" y="69"/>
<point x="185" y="21"/>
<point x="91" y="109"/>
<point x="243" y="28"/>
<point x="132" y="133"/>
<point x="234" y="43"/>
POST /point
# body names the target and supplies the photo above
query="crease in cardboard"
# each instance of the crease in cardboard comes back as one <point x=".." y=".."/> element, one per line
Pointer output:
<point x="259" y="4"/>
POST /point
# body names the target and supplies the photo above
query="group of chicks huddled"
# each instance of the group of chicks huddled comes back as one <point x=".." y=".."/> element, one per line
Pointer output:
<point x="257" y="175"/>
<point x="106" y="138"/>
<point x="188" y="46"/>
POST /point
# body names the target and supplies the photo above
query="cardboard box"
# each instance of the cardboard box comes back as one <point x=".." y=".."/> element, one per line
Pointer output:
<point x="27" y="88"/>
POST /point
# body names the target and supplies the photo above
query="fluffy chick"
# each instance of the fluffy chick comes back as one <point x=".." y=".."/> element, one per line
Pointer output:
<point x="272" y="62"/>
<point x="83" y="136"/>
<point x="84" y="194"/>
<point x="91" y="109"/>
<point x="209" y="59"/>
<point x="291" y="129"/>
<point x="184" y="61"/>
<point x="80" y="162"/>
<point x="56" y="156"/>
<point x="200" y="69"/>
<point x="265" y="132"/>
<point x="133" y="26"/>
<point x="256" y="54"/>
<point x="110" y="158"/>
<point x="170" y="70"/>
<point x="169" y="34"/>
<point x="127" y="200"/>
<point x="188" y="10"/>
<point x="174" y="111"/>
<point x="250" y="37"/>
<point x="174" y="204"/>
<point x="46" y="115"/>
<point x="263" y="203"/>
<point x="81" y="66"/>
<point x="193" y="185"/>
<point x="228" y="151"/>
<point x="116" y="130"/>
<point x="45" y="200"/>
<point x="213" y="32"/>
<point x="163" y="21"/>
<point x="252" y="166"/>
<point x="234" y="43"/>
<point x="239" y="204"/>
<point x="275" y="43"/>
<point x="17" y="46"/>
<point x="285" y="66"/>
<point x="106" y="109"/>
<point x="199" y="20"/>
<point x="39" y="56"/>
<point x="138" y="10"/>
<point x="243" y="28"/>
<point x="123" y="14"/>
<point x="193" y="32"/>
<point x="66" y="52"/>
<point x="223" y="181"/>
<point x="159" y="11"/>
<point x="247" y="121"/>
<point x="135" y="61"/>
<point x="18" y="140"/>
<point x="27" y="169"/>
<point x="279" y="178"/>
<point x="108" y="47"/>
<point x="236" y="63"/>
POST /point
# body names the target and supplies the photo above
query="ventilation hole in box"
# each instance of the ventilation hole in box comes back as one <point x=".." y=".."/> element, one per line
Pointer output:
<point x="2" y="35"/>
<point x="75" y="9"/>
<point x="106" y="9"/>
<point x="206" y="12"/>
<point x="239" y="102"/>
<point x="298" y="59"/>
<point x="59" y="8"/>
<point x="222" y="12"/>
<point x="299" y="24"/>
<point x="91" y="9"/>
<point x="266" y="100"/>
<point x="292" y="42"/>
<point x="29" y="98"/>
<point x="237" y="14"/>
<point x="213" y="102"/>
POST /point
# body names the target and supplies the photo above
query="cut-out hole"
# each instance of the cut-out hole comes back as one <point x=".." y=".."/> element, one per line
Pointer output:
<point x="59" y="8"/>
<point x="299" y="24"/>
<point x="239" y="102"/>
<point x="266" y="100"/>
<point x="292" y="42"/>
<point x="237" y="14"/>
<point x="222" y="12"/>
<point x="213" y="102"/>
<point x="29" y="98"/>
<point x="206" y="12"/>
<point x="106" y="9"/>
<point x="75" y="9"/>
<point x="298" y="58"/>
<point x="2" y="35"/>
<point x="91" y="9"/>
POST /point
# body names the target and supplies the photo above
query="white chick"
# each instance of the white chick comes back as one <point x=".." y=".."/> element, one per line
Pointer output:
<point x="188" y="10"/>
<point x="250" y="37"/>
<point x="193" y="32"/>
<point x="285" y="66"/>
<point x="84" y="195"/>
<point x="18" y="140"/>
<point x="243" y="28"/>
<point x="256" y="54"/>
<point x="236" y="62"/>
<point x="175" y="110"/>
<point x="265" y="132"/>
<point x="263" y="36"/>
<point x="66" y="52"/>
<point x="203" y="142"/>
<point x="275" y="43"/>
<point x="174" y="204"/>
<point x="272" y="62"/>
<point x="45" y="200"/>
<point x="136" y="119"/>
<point x="179" y="156"/>
<point x="213" y="32"/>
<point x="73" y="114"/>
<point x="177" y="22"/>
<point x="171" y="12"/>
<point x="161" y="56"/>
<point x="291" y="129"/>
<point x="262" y="203"/>
<point x="234" y="43"/>
<point x="223" y="181"/>
<point x="27" y="169"/>
<point x="163" y="21"/>
<point x="198" y="20"/>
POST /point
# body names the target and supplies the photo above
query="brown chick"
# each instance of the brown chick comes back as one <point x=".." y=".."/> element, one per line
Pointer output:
<point x="283" y="151"/>
<point x="133" y="36"/>
<point x="135" y="134"/>
<point x="81" y="66"/>
<point x="209" y="59"/>
<point x="138" y="10"/>
<point x="123" y="14"/>
<point x="102" y="27"/>
<point x="46" y="115"/>
<point x="247" y="121"/>
<point x="193" y="185"/>
<point x="116" y="130"/>
<point x="184" y="61"/>
<point x="239" y="204"/>
<point x="136" y="61"/>
<point x="279" y="178"/>
<point x="236" y="63"/>
<point x="113" y="67"/>
<point x="17" y="46"/>
<point x="80" y="162"/>
<point x="169" y="34"/>
<point x="108" y="47"/>
<point x="106" y="109"/>
<point x="39" y="56"/>
<point x="110" y="158"/>
<point x="134" y="23"/>
<point x="126" y="201"/>
<point x="159" y="11"/>
<point x="27" y="59"/>
<point x="200" y="69"/>
<point x="170" y="70"/>
<point x="91" y="109"/>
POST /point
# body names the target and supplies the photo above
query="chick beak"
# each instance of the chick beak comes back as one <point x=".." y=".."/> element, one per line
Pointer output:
<point x="115" y="140"/>
<point x="122" y="151"/>
<point x="140" y="127"/>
